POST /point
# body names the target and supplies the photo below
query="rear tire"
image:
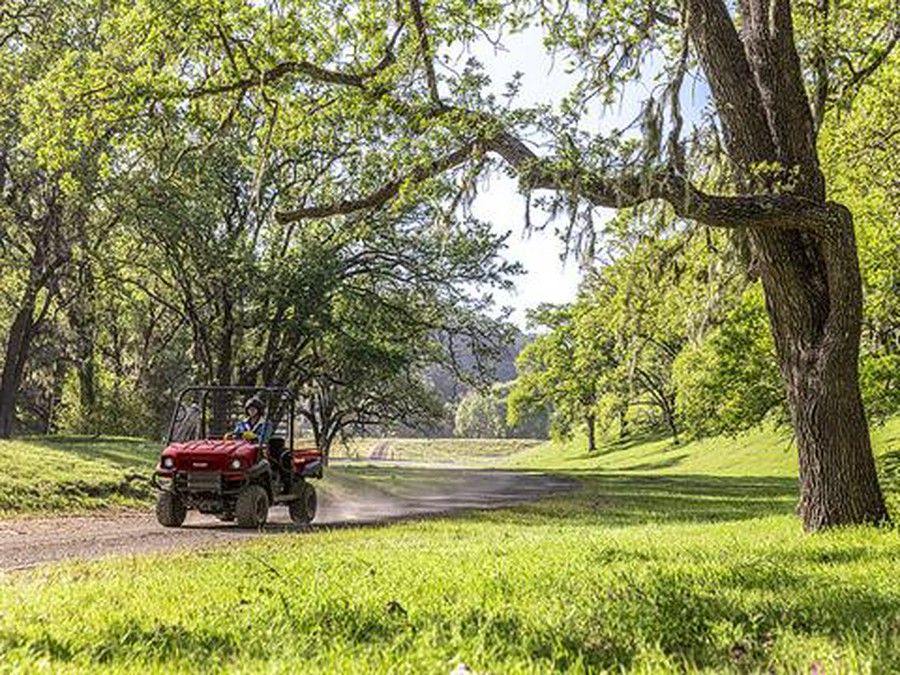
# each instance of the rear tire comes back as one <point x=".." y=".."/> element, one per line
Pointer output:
<point x="170" y="510"/>
<point x="252" y="508"/>
<point x="303" y="509"/>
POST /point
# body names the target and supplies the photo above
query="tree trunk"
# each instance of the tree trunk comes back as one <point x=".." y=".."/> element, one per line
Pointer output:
<point x="56" y="392"/>
<point x="814" y="301"/>
<point x="810" y="273"/>
<point x="668" y="410"/>
<point x="591" y="434"/>
<point x="673" y="426"/>
<point x="81" y="316"/>
<point x="223" y="403"/>
<point x="18" y="344"/>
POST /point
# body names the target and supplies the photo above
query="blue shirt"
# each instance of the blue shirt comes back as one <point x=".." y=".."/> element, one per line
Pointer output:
<point x="261" y="428"/>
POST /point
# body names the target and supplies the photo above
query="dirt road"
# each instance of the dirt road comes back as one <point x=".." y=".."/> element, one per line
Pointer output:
<point x="349" y="496"/>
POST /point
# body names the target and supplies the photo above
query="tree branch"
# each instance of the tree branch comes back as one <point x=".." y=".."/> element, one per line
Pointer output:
<point x="385" y="193"/>
<point x="822" y="82"/>
<point x="860" y="76"/>
<point x="306" y="68"/>
<point x="621" y="191"/>
<point x="767" y="33"/>
<point x="731" y="80"/>
<point x="628" y="190"/>
<point x="419" y="19"/>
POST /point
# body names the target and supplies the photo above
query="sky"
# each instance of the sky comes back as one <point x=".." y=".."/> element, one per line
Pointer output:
<point x="547" y="277"/>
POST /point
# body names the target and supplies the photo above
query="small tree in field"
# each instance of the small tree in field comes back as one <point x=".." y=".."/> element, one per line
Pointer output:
<point x="729" y="383"/>
<point x="564" y="370"/>
<point x="478" y="415"/>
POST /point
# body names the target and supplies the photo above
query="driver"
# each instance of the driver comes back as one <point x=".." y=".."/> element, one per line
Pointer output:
<point x="255" y="427"/>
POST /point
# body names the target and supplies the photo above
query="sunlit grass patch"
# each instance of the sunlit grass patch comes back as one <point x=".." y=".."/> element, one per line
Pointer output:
<point x="679" y="573"/>
<point x="452" y="450"/>
<point x="759" y="452"/>
<point x="72" y="473"/>
<point x="696" y="566"/>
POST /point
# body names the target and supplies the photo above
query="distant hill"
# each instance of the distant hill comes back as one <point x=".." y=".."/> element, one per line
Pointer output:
<point x="502" y="368"/>
<point x="452" y="384"/>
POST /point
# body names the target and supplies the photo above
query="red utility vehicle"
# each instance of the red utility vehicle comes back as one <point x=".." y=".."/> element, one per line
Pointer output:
<point x="204" y="468"/>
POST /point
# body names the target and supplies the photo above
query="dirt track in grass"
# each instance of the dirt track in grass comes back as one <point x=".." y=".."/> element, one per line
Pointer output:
<point x="349" y="496"/>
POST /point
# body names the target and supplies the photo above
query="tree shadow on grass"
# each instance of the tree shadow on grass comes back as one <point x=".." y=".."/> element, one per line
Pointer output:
<point x="628" y="499"/>
<point x="611" y="447"/>
<point x="127" y="453"/>
<point x="667" y="463"/>
<point x="643" y="438"/>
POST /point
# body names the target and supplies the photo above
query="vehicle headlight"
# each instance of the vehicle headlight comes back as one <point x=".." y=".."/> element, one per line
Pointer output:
<point x="235" y="464"/>
<point x="168" y="462"/>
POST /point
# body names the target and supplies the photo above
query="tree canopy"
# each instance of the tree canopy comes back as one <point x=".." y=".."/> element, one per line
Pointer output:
<point x="282" y="190"/>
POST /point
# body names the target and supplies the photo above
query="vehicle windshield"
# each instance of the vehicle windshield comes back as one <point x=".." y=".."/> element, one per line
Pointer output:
<point x="215" y="413"/>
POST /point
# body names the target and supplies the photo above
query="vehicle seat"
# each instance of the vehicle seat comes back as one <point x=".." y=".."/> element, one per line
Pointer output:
<point x="280" y="457"/>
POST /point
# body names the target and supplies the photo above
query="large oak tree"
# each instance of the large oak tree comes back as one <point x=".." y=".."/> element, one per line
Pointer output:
<point x="803" y="245"/>
<point x="372" y="86"/>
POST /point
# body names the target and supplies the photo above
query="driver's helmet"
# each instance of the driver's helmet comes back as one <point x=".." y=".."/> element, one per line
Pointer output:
<point x="255" y="402"/>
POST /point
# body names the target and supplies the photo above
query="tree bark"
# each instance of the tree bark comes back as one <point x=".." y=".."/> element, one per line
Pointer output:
<point x="83" y="321"/>
<point x="18" y="344"/>
<point x="225" y="352"/>
<point x="623" y="423"/>
<point x="223" y="403"/>
<point x="321" y="415"/>
<point x="56" y="392"/>
<point x="814" y="302"/>
<point x="591" y="433"/>
<point x="671" y="422"/>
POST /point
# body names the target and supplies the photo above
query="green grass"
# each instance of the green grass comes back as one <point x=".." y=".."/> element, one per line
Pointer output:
<point x="653" y="565"/>
<point x="69" y="474"/>
<point x="445" y="450"/>
<point x="637" y="573"/>
<point x="762" y="452"/>
<point x="72" y="473"/>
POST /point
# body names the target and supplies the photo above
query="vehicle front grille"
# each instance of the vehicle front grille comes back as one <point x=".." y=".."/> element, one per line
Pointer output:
<point x="202" y="481"/>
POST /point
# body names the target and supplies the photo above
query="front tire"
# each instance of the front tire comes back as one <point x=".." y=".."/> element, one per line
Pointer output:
<point x="252" y="508"/>
<point x="303" y="509"/>
<point x="170" y="510"/>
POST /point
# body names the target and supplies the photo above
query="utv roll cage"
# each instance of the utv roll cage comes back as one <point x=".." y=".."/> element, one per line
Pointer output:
<point x="281" y="395"/>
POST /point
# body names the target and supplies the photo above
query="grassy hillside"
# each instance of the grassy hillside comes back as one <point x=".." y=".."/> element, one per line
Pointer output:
<point x="71" y="473"/>
<point x="450" y="450"/>
<point x="666" y="560"/>
<point x="638" y="573"/>
<point x="759" y="453"/>
<point x="763" y="452"/>
<point x="74" y="473"/>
